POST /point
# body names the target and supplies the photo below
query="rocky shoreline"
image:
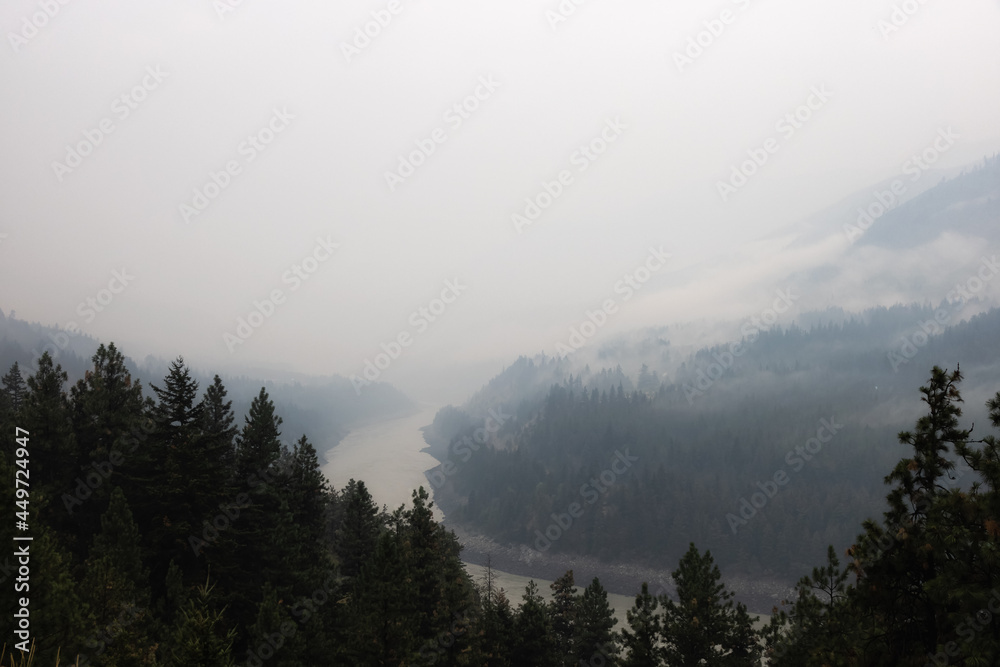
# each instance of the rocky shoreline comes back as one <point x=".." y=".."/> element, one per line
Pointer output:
<point x="759" y="594"/>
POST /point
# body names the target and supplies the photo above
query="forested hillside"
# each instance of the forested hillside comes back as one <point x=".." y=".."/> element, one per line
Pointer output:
<point x="764" y="457"/>
<point x="165" y="534"/>
<point x="325" y="407"/>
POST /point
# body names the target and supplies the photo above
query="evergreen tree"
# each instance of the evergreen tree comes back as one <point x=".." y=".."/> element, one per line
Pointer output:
<point x="109" y="423"/>
<point x="594" y="638"/>
<point x="820" y="627"/>
<point x="383" y="620"/>
<point x="14" y="389"/>
<point x="200" y="636"/>
<point x="496" y="626"/>
<point x="562" y="616"/>
<point x="116" y="586"/>
<point x="359" y="529"/>
<point x="534" y="646"/>
<point x="67" y="491"/>
<point x="896" y="564"/>
<point x="703" y="624"/>
<point x="259" y="532"/>
<point x="219" y="427"/>
<point x="258" y="445"/>
<point x="642" y="640"/>
<point x="267" y="642"/>
<point x="443" y="592"/>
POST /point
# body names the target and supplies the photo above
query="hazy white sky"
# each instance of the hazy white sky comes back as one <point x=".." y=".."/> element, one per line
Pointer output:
<point x="201" y="79"/>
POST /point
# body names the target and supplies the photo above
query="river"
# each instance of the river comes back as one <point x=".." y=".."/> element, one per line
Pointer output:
<point x="387" y="455"/>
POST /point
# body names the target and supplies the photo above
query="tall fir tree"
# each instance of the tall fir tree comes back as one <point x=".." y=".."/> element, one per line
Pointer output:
<point x="534" y="646"/>
<point x="200" y="636"/>
<point x="594" y="637"/>
<point x="563" y="609"/>
<point x="360" y="525"/>
<point x="703" y="624"/>
<point x="642" y="640"/>
<point x="116" y="586"/>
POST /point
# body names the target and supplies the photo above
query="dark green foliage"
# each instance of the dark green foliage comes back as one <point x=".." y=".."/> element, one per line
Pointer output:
<point x="360" y="525"/>
<point x="593" y="632"/>
<point x="925" y="576"/>
<point x="535" y="646"/>
<point x="563" y="611"/>
<point x="116" y="586"/>
<point x="14" y="390"/>
<point x="641" y="641"/>
<point x="704" y="623"/>
<point x="200" y="636"/>
<point x="322" y="577"/>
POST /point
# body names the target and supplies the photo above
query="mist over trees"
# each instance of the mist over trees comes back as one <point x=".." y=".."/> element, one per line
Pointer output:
<point x="167" y="533"/>
<point x="764" y="457"/>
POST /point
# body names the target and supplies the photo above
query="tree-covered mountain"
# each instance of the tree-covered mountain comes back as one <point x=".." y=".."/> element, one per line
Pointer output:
<point x="166" y="533"/>
<point x="326" y="407"/>
<point x="764" y="453"/>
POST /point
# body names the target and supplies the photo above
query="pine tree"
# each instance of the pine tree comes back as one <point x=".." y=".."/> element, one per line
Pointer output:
<point x="534" y="646"/>
<point x="200" y="636"/>
<point x="258" y="445"/>
<point x="496" y="626"/>
<point x="641" y="641"/>
<point x="562" y="616"/>
<point x="271" y="638"/>
<point x="219" y="426"/>
<point x="258" y="532"/>
<point x="594" y="638"/>
<point x="68" y="491"/>
<point x="443" y="592"/>
<point x="109" y="423"/>
<point x="14" y="389"/>
<point x="359" y="529"/>
<point x="897" y="563"/>
<point x="185" y="490"/>
<point x="819" y="628"/>
<point x="116" y="586"/>
<point x="382" y="617"/>
<point x="703" y="624"/>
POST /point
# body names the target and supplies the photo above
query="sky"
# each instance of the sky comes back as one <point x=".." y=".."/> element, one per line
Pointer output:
<point x="284" y="186"/>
